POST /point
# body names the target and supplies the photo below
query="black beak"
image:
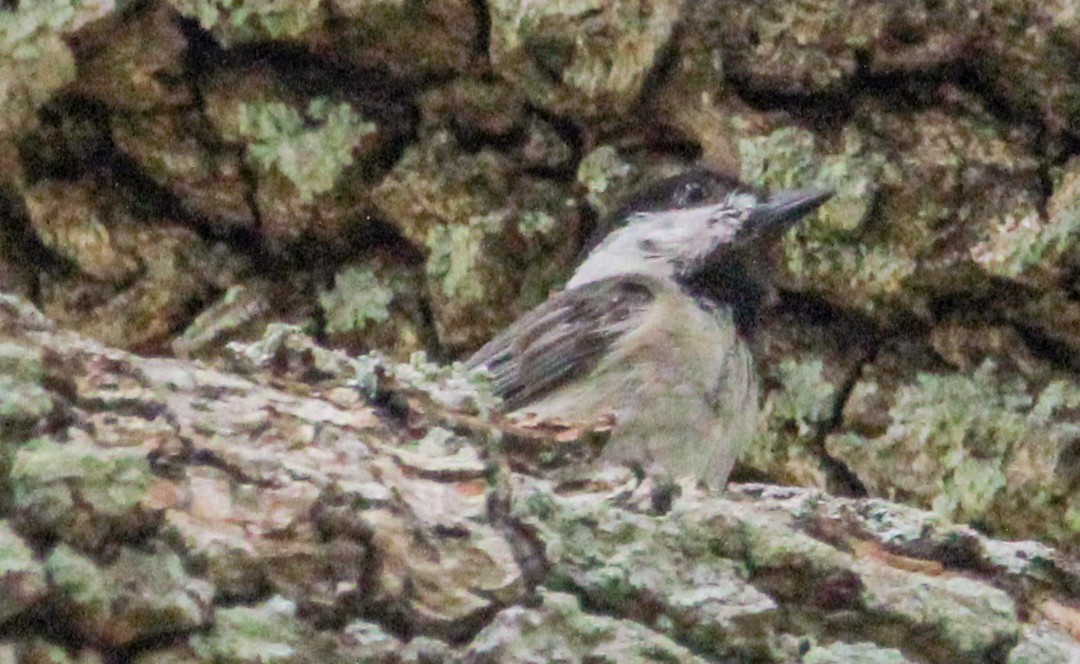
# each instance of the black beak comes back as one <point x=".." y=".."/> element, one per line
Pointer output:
<point x="783" y="208"/>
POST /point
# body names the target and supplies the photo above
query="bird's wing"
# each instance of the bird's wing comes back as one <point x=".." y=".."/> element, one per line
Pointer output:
<point x="563" y="338"/>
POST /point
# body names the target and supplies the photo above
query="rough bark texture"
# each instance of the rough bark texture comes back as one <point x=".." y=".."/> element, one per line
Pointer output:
<point x="297" y="509"/>
<point x="411" y="176"/>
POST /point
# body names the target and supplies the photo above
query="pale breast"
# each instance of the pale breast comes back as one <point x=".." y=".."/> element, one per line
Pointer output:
<point x="680" y="384"/>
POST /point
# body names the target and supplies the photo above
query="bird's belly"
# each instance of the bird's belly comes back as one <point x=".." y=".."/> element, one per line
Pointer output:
<point x="685" y="401"/>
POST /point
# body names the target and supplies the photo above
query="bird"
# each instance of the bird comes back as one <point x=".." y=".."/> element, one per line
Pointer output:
<point x="651" y="329"/>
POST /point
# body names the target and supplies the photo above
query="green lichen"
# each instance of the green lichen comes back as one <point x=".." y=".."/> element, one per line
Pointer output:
<point x="826" y="252"/>
<point x="605" y="176"/>
<point x="373" y="643"/>
<point x="237" y="21"/>
<point x="784" y="459"/>
<point x="15" y="555"/>
<point x="788" y="158"/>
<point x="22" y="578"/>
<point x="973" y="447"/>
<point x="359" y="297"/>
<point x="803" y="401"/>
<point x="136" y="595"/>
<point x="477" y="215"/>
<point x="536" y="222"/>
<point x="953" y="412"/>
<point x="573" y="58"/>
<point x="1019" y="244"/>
<point x="971" y="489"/>
<point x="79" y="579"/>
<point x="23" y="399"/>
<point x="367" y="370"/>
<point x="240" y="307"/>
<point x="789" y="53"/>
<point x="35" y="61"/>
<point x="967" y="424"/>
<point x="310" y="149"/>
<point x="558" y="629"/>
<point x="32" y="18"/>
<point x="621" y="560"/>
<point x="805" y="398"/>
<point x="437" y="183"/>
<point x="868" y="275"/>
<point x="844" y="653"/>
<point x="269" y="632"/>
<point x="1071" y="518"/>
<point x="455" y="251"/>
<point x="973" y="620"/>
<point x="1055" y="398"/>
<point x="40" y="651"/>
<point x="780" y="160"/>
<point x="1016" y="245"/>
<point x="541" y="505"/>
<point x="878" y="270"/>
<point x="110" y="483"/>
<point x="1040" y="644"/>
<point x="450" y="384"/>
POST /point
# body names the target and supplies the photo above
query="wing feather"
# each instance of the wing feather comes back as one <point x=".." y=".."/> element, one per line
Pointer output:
<point x="563" y="338"/>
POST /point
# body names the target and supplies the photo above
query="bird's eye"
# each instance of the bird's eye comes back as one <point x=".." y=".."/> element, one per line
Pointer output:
<point x="690" y="193"/>
<point x="647" y="246"/>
